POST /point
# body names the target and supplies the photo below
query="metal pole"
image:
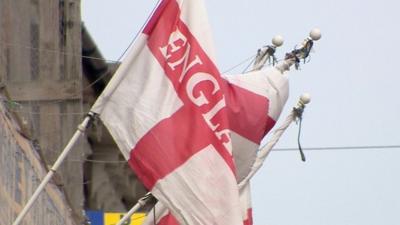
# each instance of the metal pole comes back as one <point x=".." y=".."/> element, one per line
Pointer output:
<point x="142" y="202"/>
<point x="81" y="129"/>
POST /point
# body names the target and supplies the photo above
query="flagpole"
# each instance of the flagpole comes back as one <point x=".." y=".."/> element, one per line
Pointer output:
<point x="266" y="149"/>
<point x="81" y="130"/>
<point x="142" y="202"/>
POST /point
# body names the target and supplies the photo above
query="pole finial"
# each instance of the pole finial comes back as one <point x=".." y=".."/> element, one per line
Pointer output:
<point x="305" y="98"/>
<point x="315" y="34"/>
<point x="277" y="41"/>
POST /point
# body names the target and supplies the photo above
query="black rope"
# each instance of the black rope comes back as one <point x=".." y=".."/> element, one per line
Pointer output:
<point x="303" y="157"/>
<point x="272" y="58"/>
<point x="299" y="115"/>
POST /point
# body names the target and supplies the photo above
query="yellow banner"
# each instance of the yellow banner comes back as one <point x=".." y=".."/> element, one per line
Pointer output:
<point x="113" y="218"/>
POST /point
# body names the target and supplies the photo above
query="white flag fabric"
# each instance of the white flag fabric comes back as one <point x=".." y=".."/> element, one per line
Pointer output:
<point x="255" y="102"/>
<point x="166" y="108"/>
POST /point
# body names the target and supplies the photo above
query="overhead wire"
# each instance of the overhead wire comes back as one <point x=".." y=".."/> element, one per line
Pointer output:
<point x="97" y="161"/>
<point x="323" y="148"/>
<point x="239" y="64"/>
<point x="337" y="148"/>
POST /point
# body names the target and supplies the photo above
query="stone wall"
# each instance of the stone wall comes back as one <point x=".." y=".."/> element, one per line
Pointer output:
<point x="21" y="170"/>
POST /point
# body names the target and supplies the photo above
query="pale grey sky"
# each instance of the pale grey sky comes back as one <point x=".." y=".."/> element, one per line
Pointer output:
<point x="353" y="81"/>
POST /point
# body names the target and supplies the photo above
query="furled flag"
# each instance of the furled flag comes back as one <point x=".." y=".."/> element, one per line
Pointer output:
<point x="255" y="102"/>
<point x="166" y="109"/>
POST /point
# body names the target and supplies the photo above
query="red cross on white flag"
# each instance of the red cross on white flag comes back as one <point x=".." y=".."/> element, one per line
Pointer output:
<point x="175" y="119"/>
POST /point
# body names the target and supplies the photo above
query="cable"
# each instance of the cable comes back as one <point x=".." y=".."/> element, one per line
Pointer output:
<point x="98" y="161"/>
<point x="247" y="67"/>
<point x="47" y="114"/>
<point x="324" y="148"/>
<point x="127" y="48"/>
<point x="239" y="64"/>
<point x="341" y="148"/>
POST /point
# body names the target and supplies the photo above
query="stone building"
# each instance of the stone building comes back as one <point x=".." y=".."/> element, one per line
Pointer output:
<point x="53" y="71"/>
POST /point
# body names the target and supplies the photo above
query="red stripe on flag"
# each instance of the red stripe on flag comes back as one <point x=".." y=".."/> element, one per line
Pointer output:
<point x="247" y="113"/>
<point x="176" y="58"/>
<point x="192" y="50"/>
<point x="171" y="143"/>
<point x="169" y="219"/>
<point x="249" y="220"/>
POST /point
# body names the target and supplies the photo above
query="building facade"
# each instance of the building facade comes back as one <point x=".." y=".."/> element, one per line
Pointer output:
<point x="21" y="171"/>
<point x="53" y="72"/>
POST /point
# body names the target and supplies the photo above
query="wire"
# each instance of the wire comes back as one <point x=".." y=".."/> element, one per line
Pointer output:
<point x="339" y="148"/>
<point x="322" y="148"/>
<point x="366" y="147"/>
<point x="98" y="161"/>
<point x="247" y="67"/>
<point x="239" y="64"/>
<point x="127" y="48"/>
<point x="28" y="112"/>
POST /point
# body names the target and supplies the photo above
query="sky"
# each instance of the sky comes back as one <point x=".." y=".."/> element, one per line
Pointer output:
<point x="354" y="85"/>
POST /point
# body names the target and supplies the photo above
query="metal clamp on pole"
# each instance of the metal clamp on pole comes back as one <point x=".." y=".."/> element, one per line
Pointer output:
<point x="303" y="52"/>
<point x="80" y="130"/>
<point x="142" y="202"/>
